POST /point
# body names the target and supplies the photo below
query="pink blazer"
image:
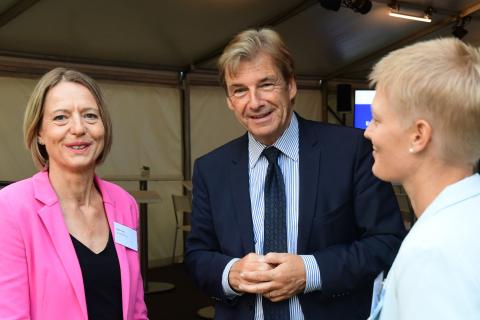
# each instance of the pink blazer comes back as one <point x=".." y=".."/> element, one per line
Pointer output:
<point x="40" y="277"/>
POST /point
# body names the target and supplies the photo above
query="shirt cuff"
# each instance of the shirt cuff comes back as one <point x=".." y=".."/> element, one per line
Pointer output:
<point x="229" y="292"/>
<point x="313" y="280"/>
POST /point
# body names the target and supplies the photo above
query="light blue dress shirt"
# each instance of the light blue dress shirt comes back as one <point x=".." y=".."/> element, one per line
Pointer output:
<point x="288" y="161"/>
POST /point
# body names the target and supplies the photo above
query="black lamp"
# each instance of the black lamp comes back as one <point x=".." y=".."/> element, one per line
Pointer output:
<point x="360" y="6"/>
<point x="458" y="30"/>
<point x="331" y="4"/>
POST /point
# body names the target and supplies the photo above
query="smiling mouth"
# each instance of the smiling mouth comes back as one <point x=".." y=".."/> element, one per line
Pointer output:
<point x="260" y="116"/>
<point x="79" y="146"/>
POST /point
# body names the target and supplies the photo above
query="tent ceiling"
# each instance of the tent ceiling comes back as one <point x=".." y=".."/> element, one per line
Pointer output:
<point x="187" y="34"/>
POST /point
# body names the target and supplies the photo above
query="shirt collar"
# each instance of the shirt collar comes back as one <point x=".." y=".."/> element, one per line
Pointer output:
<point x="287" y="143"/>
<point x="453" y="194"/>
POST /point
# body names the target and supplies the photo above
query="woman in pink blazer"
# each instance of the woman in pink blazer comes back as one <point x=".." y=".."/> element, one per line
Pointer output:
<point x="67" y="238"/>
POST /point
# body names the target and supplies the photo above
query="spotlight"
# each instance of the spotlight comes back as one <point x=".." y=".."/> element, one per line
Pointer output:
<point x="395" y="12"/>
<point x="458" y="30"/>
<point x="361" y="6"/>
<point x="331" y="4"/>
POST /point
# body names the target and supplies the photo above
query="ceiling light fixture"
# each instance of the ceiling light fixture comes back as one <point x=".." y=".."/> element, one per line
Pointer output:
<point x="395" y="12"/>
<point x="360" y="6"/>
<point x="331" y="4"/>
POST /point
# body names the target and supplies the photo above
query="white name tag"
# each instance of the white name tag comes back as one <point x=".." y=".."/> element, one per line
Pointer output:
<point x="125" y="236"/>
<point x="377" y="297"/>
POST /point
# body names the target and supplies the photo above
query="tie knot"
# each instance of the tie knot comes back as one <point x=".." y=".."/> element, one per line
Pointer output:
<point x="271" y="153"/>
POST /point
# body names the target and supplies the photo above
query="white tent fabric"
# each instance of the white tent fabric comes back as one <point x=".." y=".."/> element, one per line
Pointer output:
<point x="15" y="160"/>
<point x="308" y="104"/>
<point x="211" y="121"/>
<point x="146" y="125"/>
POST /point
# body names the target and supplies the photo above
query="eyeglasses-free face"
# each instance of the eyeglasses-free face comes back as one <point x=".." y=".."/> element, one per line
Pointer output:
<point x="260" y="98"/>
<point x="390" y="140"/>
<point x="72" y="130"/>
<point x="264" y="89"/>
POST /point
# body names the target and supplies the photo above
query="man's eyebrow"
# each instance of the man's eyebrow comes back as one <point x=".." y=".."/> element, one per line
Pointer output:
<point x="236" y="85"/>
<point x="267" y="78"/>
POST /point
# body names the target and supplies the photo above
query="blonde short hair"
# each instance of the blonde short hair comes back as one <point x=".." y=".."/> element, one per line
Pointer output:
<point x="32" y="121"/>
<point x="248" y="44"/>
<point x="439" y="81"/>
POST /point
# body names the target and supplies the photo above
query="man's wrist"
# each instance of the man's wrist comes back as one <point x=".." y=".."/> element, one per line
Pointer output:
<point x="313" y="279"/>
<point x="227" y="289"/>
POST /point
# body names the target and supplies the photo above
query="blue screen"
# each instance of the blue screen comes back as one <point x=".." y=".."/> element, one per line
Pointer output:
<point x="362" y="116"/>
<point x="362" y="113"/>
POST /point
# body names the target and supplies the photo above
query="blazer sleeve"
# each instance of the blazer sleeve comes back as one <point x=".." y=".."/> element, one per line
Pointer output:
<point x="377" y="233"/>
<point x="203" y="257"/>
<point x="14" y="286"/>
<point x="140" y="312"/>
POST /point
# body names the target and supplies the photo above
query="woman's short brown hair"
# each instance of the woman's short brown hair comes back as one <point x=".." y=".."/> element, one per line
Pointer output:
<point x="32" y="121"/>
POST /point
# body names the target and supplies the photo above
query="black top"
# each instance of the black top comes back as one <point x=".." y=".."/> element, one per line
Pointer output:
<point x="101" y="279"/>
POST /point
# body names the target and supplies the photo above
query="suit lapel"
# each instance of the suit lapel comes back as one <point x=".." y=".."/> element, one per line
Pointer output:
<point x="52" y="218"/>
<point x="309" y="180"/>
<point x="239" y="186"/>
<point x="112" y="216"/>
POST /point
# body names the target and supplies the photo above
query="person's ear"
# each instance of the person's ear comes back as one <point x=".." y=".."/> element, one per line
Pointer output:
<point x="421" y="136"/>
<point x="292" y="88"/>
<point x="39" y="138"/>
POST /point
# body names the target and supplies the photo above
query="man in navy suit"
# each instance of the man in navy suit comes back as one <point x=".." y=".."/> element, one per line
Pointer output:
<point x="342" y="224"/>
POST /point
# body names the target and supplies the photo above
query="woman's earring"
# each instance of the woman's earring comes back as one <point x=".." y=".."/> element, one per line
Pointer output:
<point x="411" y="150"/>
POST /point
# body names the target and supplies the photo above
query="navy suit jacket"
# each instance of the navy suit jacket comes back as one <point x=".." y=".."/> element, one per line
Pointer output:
<point x="348" y="219"/>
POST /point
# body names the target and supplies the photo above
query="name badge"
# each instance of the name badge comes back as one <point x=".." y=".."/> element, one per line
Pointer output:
<point x="377" y="297"/>
<point x="125" y="236"/>
<point x="377" y="290"/>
